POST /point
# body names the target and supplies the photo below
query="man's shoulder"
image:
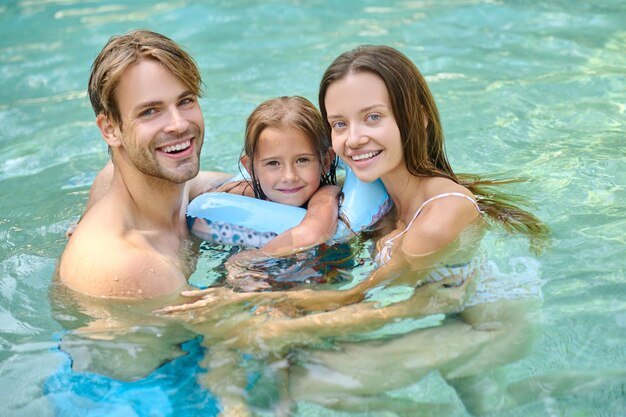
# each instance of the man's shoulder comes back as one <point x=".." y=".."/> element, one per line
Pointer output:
<point x="104" y="262"/>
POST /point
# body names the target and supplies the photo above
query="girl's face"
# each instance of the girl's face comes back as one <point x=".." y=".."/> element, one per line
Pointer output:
<point x="286" y="165"/>
<point x="363" y="129"/>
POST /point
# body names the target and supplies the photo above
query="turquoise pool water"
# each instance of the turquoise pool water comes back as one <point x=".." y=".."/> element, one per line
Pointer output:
<point x="531" y="90"/>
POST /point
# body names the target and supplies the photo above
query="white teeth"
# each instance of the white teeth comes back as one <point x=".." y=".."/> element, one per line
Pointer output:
<point x="177" y="147"/>
<point x="365" y="156"/>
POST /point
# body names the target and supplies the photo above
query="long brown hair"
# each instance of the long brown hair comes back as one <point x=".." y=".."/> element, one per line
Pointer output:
<point x="417" y="117"/>
<point x="289" y="111"/>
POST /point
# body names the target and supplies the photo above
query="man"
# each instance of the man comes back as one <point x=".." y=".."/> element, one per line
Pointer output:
<point x="133" y="240"/>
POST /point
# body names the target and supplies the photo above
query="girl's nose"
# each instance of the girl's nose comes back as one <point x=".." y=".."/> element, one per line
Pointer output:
<point x="290" y="173"/>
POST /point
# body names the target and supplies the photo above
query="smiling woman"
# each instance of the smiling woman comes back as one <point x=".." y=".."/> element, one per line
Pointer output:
<point x="364" y="131"/>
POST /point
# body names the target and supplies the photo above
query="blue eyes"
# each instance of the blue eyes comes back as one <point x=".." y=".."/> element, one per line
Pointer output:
<point x="147" y="112"/>
<point x="338" y="125"/>
<point x="150" y="111"/>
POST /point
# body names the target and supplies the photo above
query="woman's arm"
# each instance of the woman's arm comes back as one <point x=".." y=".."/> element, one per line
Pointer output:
<point x="303" y="301"/>
<point x="433" y="298"/>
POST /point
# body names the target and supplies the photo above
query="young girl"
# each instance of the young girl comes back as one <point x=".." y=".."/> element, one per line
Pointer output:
<point x="286" y="152"/>
<point x="288" y="156"/>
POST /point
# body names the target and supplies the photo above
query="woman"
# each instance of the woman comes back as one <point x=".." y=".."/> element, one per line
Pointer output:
<point x="384" y="124"/>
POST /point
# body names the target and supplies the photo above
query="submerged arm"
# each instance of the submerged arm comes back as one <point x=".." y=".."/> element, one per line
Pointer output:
<point x="363" y="317"/>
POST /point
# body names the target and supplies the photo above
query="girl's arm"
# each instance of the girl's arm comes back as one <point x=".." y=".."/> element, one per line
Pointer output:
<point x="318" y="226"/>
<point x="207" y="181"/>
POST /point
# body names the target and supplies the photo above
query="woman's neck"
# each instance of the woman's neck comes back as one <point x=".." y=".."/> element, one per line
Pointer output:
<point x="406" y="191"/>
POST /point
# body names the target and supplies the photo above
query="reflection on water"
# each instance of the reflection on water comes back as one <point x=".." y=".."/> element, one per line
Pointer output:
<point x="530" y="91"/>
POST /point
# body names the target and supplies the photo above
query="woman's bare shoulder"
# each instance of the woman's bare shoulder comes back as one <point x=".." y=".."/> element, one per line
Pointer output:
<point x="451" y="208"/>
<point x="434" y="186"/>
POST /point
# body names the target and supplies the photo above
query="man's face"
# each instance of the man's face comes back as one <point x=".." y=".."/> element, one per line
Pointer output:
<point x="162" y="125"/>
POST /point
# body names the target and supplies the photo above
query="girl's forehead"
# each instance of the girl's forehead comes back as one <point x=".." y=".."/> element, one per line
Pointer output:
<point x="284" y="141"/>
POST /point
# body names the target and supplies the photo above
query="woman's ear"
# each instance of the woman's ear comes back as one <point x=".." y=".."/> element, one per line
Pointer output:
<point x="247" y="163"/>
<point x="108" y="130"/>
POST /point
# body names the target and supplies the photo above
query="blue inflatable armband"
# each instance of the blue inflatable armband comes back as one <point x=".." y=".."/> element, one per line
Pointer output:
<point x="231" y="219"/>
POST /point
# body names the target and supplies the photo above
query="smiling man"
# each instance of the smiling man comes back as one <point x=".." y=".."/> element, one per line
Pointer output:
<point x="133" y="240"/>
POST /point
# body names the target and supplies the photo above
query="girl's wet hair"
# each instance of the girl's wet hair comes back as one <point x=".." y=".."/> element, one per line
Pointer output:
<point x="417" y="117"/>
<point x="289" y="111"/>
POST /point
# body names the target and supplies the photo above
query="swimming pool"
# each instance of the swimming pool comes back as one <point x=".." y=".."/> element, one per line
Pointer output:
<point x="524" y="90"/>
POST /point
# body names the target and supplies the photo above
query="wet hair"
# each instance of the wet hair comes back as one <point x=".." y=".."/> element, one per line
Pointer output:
<point x="282" y="112"/>
<point x="122" y="52"/>
<point x="417" y="117"/>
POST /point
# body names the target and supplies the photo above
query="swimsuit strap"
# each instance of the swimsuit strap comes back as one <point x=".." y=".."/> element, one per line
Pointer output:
<point x="437" y="197"/>
<point x="385" y="253"/>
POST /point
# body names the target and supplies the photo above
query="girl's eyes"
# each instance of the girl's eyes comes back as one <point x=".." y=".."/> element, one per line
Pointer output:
<point x="303" y="160"/>
<point x="272" y="163"/>
<point x="373" y="117"/>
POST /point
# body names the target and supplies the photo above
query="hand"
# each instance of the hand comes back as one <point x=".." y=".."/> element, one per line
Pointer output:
<point x="204" y="302"/>
<point x="242" y="275"/>
<point x="446" y="296"/>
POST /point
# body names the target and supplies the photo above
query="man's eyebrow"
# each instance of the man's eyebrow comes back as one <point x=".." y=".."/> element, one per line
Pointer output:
<point x="186" y="93"/>
<point x="147" y="104"/>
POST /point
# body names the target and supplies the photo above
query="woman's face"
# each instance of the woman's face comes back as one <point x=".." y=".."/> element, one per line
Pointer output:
<point x="364" y="131"/>
<point x="286" y="165"/>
